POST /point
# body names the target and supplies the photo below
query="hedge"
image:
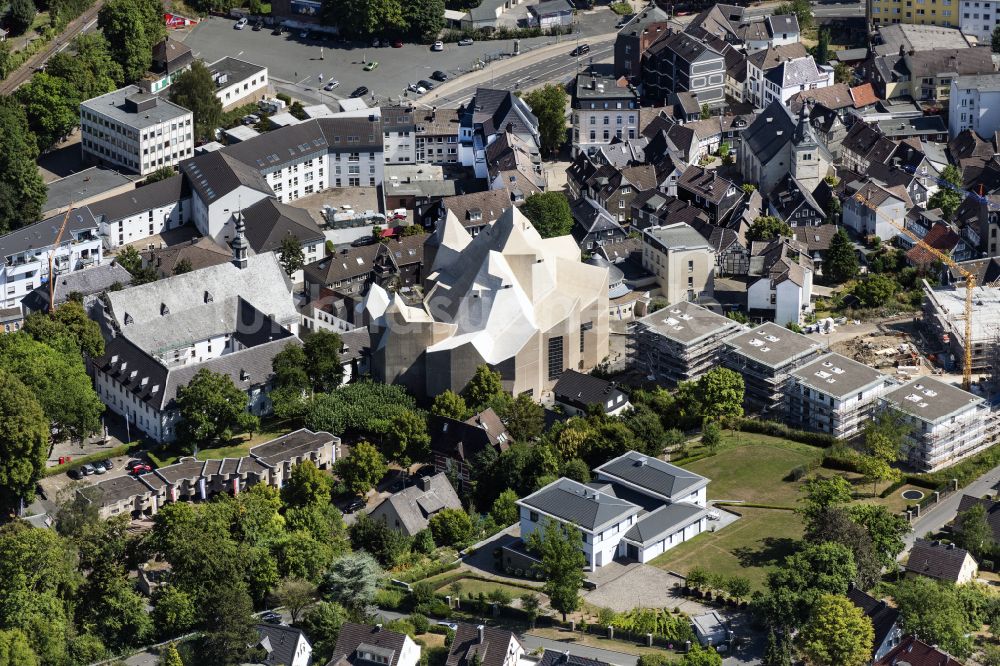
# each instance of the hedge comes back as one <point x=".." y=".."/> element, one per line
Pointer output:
<point x="776" y="429"/>
<point x="420" y="573"/>
<point x="93" y="457"/>
<point x="778" y="507"/>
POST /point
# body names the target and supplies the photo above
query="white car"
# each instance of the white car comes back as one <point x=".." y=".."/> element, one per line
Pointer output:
<point x="419" y="89"/>
<point x="438" y="46"/>
<point x="331" y="85"/>
<point x="242" y="23"/>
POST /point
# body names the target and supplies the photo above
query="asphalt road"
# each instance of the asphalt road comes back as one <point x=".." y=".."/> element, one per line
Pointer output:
<point x="295" y="64"/>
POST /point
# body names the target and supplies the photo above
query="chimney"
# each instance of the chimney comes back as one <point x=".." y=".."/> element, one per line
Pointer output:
<point x="482" y="633"/>
<point x="424" y="483"/>
<point x="378" y="627"/>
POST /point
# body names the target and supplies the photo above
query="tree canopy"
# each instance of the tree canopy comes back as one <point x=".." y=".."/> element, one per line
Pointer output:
<point x="562" y="563"/>
<point x="767" y="228"/>
<point x="362" y="468"/>
<point x="22" y="190"/>
<point x="838" y="633"/>
<point x="24" y="441"/>
<point x="548" y="104"/>
<point x="549" y="212"/>
<point x="132" y="28"/>
<point x="211" y="407"/>
<point x="841" y="262"/>
<point x="194" y="89"/>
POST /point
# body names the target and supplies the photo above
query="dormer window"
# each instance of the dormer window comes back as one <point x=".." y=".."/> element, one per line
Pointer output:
<point x="164" y="310"/>
<point x="128" y="319"/>
<point x="208" y="296"/>
<point x="244" y="376"/>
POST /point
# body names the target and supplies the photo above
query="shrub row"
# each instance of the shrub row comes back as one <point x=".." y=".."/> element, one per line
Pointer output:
<point x="775" y="429"/>
<point x="419" y="573"/>
<point x="93" y="457"/>
<point x="505" y="33"/>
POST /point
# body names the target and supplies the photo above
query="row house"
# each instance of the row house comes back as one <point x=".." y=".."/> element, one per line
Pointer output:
<point x="604" y="108"/>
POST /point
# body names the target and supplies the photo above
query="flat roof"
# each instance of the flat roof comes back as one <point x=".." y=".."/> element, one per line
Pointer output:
<point x="667" y="519"/>
<point x="838" y="376"/>
<point x="235" y="70"/>
<point x="83" y="186"/>
<point x="773" y="345"/>
<point x="592" y="85"/>
<point x="291" y="445"/>
<point x="121" y="488"/>
<point x="949" y="306"/>
<point x="688" y="323"/>
<point x="931" y="400"/>
<point x="113" y="106"/>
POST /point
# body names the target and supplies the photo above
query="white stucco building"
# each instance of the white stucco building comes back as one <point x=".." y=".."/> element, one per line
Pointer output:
<point x="975" y="104"/>
<point x="135" y="131"/>
<point x="614" y="527"/>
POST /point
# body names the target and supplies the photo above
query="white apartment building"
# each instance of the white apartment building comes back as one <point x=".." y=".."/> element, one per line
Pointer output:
<point x="27" y="250"/>
<point x="135" y="131"/>
<point x="681" y="259"/>
<point x="793" y="76"/>
<point x="238" y="82"/>
<point x="673" y="510"/>
<point x="948" y="424"/>
<point x="835" y="395"/>
<point x="399" y="135"/>
<point x="974" y="104"/>
<point x="979" y="18"/>
<point x="604" y="109"/>
<point x="143" y="212"/>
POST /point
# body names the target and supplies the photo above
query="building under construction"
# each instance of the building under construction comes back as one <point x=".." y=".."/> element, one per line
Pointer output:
<point x="766" y="356"/>
<point x="944" y="315"/>
<point x="680" y="342"/>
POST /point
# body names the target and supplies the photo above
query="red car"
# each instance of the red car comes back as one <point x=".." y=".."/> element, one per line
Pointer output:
<point x="140" y="469"/>
<point x="397" y="44"/>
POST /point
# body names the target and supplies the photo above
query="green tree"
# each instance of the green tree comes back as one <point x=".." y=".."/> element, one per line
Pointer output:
<point x="450" y="405"/>
<point x="822" y="494"/>
<point x="132" y="28"/>
<point x="802" y="10"/>
<point x="352" y="581"/>
<point x="406" y="441"/>
<point x="90" y="69"/>
<point x="841" y="262"/>
<point x="86" y="649"/>
<point x="170" y="656"/>
<point x="530" y="605"/>
<point x="52" y="107"/>
<point x="22" y="190"/>
<point x="885" y="529"/>
<point x="777" y="652"/>
<point x="69" y="321"/>
<point x="838" y="633"/>
<point x="424" y="18"/>
<point x="768" y="227"/>
<point x="183" y="266"/>
<point x="948" y="199"/>
<point x="548" y="104"/>
<point x="701" y="656"/>
<point x="322" y="350"/>
<point x="822" y="54"/>
<point x="21" y="16"/>
<point x="118" y="613"/>
<point x="505" y="510"/>
<point x="934" y="611"/>
<point x="450" y="527"/>
<point x="194" y="89"/>
<point x="549" y="213"/>
<point x="974" y="532"/>
<point x="58" y="380"/>
<point x="875" y="290"/>
<point x="720" y="393"/>
<point x="163" y="173"/>
<point x="24" y="441"/>
<point x="562" y="563"/>
<point x="173" y="611"/>
<point x="711" y="435"/>
<point x="837" y="526"/>
<point x="995" y="43"/>
<point x="229" y="622"/>
<point x="362" y="468"/>
<point x="15" y="649"/>
<point x="423" y="542"/>
<point x="795" y="586"/>
<point x="524" y="418"/>
<point x="130" y="259"/>
<point x="484" y="386"/>
<point x="322" y="624"/>
<point x="307" y="485"/>
<point x="294" y="594"/>
<point x="379" y="540"/>
<point x="210" y="406"/>
<point x="290" y="254"/>
<point x="365" y="17"/>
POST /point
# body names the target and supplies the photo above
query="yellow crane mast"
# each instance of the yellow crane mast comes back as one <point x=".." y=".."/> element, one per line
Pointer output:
<point x="52" y="254"/>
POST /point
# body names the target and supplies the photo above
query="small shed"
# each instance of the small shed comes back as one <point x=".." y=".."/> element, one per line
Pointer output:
<point x="711" y="629"/>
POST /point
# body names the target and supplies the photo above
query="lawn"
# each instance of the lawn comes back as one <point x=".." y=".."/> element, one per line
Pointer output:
<point x="476" y="586"/>
<point x="237" y="447"/>
<point x="749" y="547"/>
<point x="753" y="468"/>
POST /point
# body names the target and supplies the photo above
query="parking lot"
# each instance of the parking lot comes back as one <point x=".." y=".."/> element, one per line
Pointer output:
<point x="295" y="63"/>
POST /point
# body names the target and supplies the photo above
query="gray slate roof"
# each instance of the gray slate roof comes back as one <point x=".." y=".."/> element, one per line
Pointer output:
<point x="268" y="222"/>
<point x="931" y="400"/>
<point x="652" y="475"/>
<point x="765" y="138"/>
<point x="415" y="506"/>
<point x="43" y="234"/>
<point x="668" y="519"/>
<point x="83" y="185"/>
<point x="353" y="635"/>
<point x="838" y="376"/>
<point x="160" y="193"/>
<point x="936" y="560"/>
<point x="281" y="640"/>
<point x="216" y="174"/>
<point x="581" y="505"/>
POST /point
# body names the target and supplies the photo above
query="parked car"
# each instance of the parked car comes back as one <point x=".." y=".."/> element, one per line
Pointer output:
<point x="417" y="88"/>
<point x="582" y="49"/>
<point x="278" y="29"/>
<point x="439" y="76"/>
<point x="397" y="44"/>
<point x="465" y="41"/>
<point x="258" y="26"/>
<point x="356" y="505"/>
<point x="363" y="241"/>
<point x="437" y="46"/>
<point x="331" y="85"/>
<point x="87" y="469"/>
<point x="360" y="91"/>
<point x="242" y="23"/>
<point x="426" y="84"/>
<point x="271" y="617"/>
<point x="369" y="66"/>
<point x="139" y="468"/>
<point x="450" y="625"/>
<point x="106" y="464"/>
<point x="74" y="473"/>
<point x="376" y="43"/>
<point x="99" y="469"/>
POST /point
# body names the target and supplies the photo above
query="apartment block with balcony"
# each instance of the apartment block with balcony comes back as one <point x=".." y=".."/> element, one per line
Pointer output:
<point x="766" y="357"/>
<point x="135" y="131"/>
<point x="680" y="342"/>
<point x="26" y="253"/>
<point x="947" y="424"/>
<point x="835" y="395"/>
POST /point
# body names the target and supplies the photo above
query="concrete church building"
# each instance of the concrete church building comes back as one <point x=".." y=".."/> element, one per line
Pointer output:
<point x="525" y="306"/>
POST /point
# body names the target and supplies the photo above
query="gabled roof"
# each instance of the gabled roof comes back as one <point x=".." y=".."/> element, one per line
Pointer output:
<point x="883" y="616"/>
<point x="216" y="174"/>
<point x="705" y="183"/>
<point x="591" y="217"/>
<point x="573" y="502"/>
<point x="863" y="95"/>
<point x="782" y="23"/>
<point x="914" y="652"/>
<point x="555" y="658"/>
<point x="43" y="234"/>
<point x="769" y="133"/>
<point x="935" y="559"/>
<point x="350" y="263"/>
<point x="835" y="97"/>
<point x="491" y="650"/>
<point x="465" y="440"/>
<point x="773" y="56"/>
<point x="415" y="505"/>
<point x="963" y="61"/>
<point x="816" y="238"/>
<point x="143" y="198"/>
<point x="580" y="390"/>
<point x="478" y="208"/>
<point x="279" y="642"/>
<point x="652" y="475"/>
<point x="87" y="282"/>
<point x="792" y="197"/>
<point x="992" y="508"/>
<point x="354" y="640"/>
<point x="941" y="237"/>
<point x="796" y="72"/>
<point x="664" y="520"/>
<point x="268" y="222"/>
<point x="496" y="109"/>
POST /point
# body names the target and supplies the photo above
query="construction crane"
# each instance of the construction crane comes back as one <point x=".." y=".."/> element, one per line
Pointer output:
<point x="970" y="284"/>
<point x="52" y="254"/>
